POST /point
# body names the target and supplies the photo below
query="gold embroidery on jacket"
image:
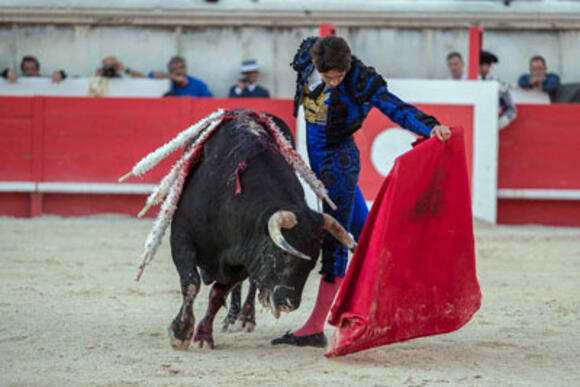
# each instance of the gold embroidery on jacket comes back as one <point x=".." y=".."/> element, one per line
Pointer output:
<point x="315" y="110"/>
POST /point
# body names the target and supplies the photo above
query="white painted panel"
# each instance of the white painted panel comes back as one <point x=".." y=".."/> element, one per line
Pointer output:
<point x="483" y="95"/>
<point x="17" y="186"/>
<point x="95" y="188"/>
<point x="79" y="87"/>
<point x="539" y="194"/>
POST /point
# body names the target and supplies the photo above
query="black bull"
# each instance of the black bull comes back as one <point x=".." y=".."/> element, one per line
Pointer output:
<point x="242" y="213"/>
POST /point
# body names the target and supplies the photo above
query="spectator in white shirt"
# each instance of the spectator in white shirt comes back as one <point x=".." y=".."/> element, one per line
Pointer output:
<point x="456" y="66"/>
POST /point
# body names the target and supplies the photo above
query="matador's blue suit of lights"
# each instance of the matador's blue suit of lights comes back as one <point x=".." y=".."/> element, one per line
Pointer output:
<point x="332" y="116"/>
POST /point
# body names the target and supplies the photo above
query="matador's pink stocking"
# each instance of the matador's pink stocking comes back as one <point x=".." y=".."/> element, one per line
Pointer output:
<point x="326" y="293"/>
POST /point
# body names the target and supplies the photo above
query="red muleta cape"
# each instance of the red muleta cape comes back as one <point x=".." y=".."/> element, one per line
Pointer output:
<point x="413" y="272"/>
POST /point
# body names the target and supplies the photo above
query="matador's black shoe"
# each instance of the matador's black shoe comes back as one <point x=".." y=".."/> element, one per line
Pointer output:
<point x="315" y="340"/>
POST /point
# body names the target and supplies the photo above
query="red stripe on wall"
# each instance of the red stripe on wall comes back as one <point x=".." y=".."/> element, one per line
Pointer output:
<point x="547" y="212"/>
<point x="15" y="204"/>
<point x="91" y="204"/>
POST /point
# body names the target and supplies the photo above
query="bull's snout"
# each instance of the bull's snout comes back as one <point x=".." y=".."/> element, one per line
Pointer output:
<point x="283" y="299"/>
<point x="280" y="298"/>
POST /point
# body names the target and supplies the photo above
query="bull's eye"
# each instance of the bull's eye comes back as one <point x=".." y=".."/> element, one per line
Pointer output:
<point x="288" y="258"/>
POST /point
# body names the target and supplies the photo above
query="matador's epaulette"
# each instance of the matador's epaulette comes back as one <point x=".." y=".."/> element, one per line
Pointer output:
<point x="362" y="82"/>
<point x="302" y="58"/>
<point x="303" y="65"/>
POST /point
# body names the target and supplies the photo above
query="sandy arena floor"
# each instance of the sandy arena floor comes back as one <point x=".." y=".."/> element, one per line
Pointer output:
<point x="71" y="314"/>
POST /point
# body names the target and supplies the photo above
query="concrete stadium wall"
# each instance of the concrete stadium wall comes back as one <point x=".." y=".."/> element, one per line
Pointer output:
<point x="214" y="54"/>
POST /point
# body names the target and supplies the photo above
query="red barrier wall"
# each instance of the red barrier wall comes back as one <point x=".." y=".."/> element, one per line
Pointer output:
<point x="541" y="150"/>
<point x="95" y="140"/>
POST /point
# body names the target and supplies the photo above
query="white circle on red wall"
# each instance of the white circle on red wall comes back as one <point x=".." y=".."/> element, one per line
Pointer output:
<point x="387" y="146"/>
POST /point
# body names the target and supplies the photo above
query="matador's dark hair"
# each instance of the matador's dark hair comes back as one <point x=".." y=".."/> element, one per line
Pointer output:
<point x="331" y="53"/>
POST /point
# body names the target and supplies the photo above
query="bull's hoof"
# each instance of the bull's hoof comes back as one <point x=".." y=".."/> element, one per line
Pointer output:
<point x="229" y="325"/>
<point x="204" y="340"/>
<point x="248" y="327"/>
<point x="204" y="335"/>
<point x="247" y="318"/>
<point x="246" y="324"/>
<point x="180" y="334"/>
<point x="177" y="344"/>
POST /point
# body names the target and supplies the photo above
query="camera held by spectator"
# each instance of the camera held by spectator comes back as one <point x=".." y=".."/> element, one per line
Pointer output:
<point x="109" y="72"/>
<point x="248" y="82"/>
<point x="113" y="68"/>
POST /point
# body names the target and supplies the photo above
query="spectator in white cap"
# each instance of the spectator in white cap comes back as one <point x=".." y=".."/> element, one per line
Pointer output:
<point x="247" y="86"/>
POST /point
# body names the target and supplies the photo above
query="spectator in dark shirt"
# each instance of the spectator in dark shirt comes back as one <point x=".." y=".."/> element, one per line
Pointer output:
<point x="30" y="67"/>
<point x="181" y="83"/>
<point x="507" y="108"/>
<point x="247" y="86"/>
<point x="539" y="78"/>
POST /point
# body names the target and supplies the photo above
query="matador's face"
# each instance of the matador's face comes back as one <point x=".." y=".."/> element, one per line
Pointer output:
<point x="333" y="78"/>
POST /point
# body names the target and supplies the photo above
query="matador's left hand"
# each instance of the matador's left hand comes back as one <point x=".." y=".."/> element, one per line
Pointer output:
<point x="442" y="132"/>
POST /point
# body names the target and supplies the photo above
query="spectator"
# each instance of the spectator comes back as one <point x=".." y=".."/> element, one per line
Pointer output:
<point x="181" y="83"/>
<point x="30" y="67"/>
<point x="455" y="65"/>
<point x="539" y="78"/>
<point x="247" y="86"/>
<point x="507" y="108"/>
<point x="113" y="68"/>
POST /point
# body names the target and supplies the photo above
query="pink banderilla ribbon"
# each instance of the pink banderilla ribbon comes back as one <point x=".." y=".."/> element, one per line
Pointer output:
<point x="241" y="167"/>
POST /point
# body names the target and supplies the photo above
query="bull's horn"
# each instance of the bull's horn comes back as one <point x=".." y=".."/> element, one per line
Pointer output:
<point x="336" y="230"/>
<point x="278" y="221"/>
